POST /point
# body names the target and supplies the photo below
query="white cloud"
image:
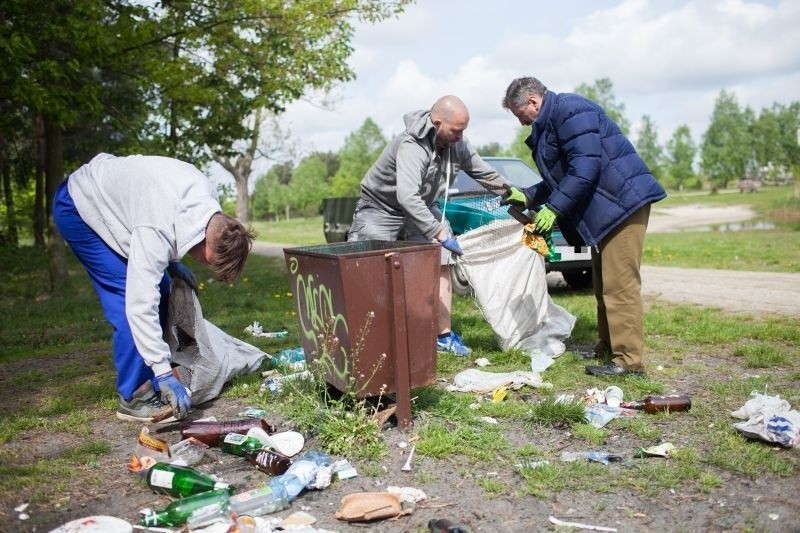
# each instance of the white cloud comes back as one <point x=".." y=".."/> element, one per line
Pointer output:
<point x="667" y="58"/>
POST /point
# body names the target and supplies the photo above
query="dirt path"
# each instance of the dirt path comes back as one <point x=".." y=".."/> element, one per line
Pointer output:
<point x="734" y="291"/>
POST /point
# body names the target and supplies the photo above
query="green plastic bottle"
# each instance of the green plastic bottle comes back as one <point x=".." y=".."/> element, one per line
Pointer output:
<point x="238" y="444"/>
<point x="180" y="481"/>
<point x="178" y="512"/>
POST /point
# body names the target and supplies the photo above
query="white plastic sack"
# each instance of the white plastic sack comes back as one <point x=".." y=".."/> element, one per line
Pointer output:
<point x="474" y="380"/>
<point x="208" y="357"/>
<point x="509" y="283"/>
<point x="769" y="418"/>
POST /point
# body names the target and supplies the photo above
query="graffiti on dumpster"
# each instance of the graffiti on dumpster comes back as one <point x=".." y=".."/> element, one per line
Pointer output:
<point x="315" y="308"/>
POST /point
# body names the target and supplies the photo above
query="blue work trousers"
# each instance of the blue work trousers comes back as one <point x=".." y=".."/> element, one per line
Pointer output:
<point x="108" y="271"/>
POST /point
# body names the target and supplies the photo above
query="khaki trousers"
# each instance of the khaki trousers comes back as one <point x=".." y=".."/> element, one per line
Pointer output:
<point x="618" y="291"/>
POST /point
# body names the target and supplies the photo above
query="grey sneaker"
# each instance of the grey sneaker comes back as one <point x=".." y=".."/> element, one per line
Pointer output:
<point x="144" y="405"/>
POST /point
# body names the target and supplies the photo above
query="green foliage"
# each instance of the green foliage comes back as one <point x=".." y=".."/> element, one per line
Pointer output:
<point x="681" y="151"/>
<point x="308" y="186"/>
<point x="761" y="355"/>
<point x="551" y="412"/>
<point x="602" y="93"/>
<point x="518" y="148"/>
<point x="648" y="148"/>
<point x="491" y="149"/>
<point x="726" y="149"/>
<point x="361" y="148"/>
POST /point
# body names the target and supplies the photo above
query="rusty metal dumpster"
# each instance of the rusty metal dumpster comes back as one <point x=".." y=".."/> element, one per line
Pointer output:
<point x="371" y="306"/>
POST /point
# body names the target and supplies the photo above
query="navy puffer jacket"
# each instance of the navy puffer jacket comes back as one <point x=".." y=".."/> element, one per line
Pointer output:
<point x="593" y="177"/>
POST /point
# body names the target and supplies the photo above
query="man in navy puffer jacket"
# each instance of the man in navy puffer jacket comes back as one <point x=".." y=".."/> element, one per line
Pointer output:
<point x="600" y="191"/>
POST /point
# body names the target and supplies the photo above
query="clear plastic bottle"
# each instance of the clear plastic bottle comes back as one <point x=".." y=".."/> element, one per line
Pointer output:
<point x="210" y="432"/>
<point x="177" y="513"/>
<point x="180" y="481"/>
<point x="302" y="472"/>
<point x="259" y="501"/>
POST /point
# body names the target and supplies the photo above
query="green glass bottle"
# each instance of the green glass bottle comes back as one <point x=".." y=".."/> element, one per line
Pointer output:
<point x="239" y="444"/>
<point x="180" y="481"/>
<point x="178" y="512"/>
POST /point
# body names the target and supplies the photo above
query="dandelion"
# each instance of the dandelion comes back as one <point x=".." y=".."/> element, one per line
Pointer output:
<point x="276" y="295"/>
<point x="245" y="280"/>
<point x="289" y="294"/>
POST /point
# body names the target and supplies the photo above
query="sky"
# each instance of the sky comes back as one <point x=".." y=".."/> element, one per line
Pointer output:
<point x="668" y="59"/>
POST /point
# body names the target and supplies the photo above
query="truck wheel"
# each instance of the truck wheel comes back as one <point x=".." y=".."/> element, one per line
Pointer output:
<point x="459" y="282"/>
<point x="578" y="279"/>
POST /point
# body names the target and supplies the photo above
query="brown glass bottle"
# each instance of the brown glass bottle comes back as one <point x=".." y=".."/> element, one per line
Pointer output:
<point x="210" y="432"/>
<point x="655" y="404"/>
<point x="269" y="462"/>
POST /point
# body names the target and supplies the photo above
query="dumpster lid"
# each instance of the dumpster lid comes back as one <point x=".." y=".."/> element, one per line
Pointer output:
<point x="359" y="248"/>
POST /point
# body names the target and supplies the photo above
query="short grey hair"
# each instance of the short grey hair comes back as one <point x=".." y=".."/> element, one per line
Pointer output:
<point x="519" y="90"/>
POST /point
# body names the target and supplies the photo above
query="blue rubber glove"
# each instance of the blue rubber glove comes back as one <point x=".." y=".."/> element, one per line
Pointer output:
<point x="179" y="270"/>
<point x="544" y="220"/>
<point x="174" y="393"/>
<point x="516" y="197"/>
<point x="452" y="244"/>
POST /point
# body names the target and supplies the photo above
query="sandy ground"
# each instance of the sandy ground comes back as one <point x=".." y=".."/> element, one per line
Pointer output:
<point x="734" y="291"/>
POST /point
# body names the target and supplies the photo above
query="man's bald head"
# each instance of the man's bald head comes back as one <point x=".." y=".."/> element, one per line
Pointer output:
<point x="450" y="108"/>
<point x="450" y="117"/>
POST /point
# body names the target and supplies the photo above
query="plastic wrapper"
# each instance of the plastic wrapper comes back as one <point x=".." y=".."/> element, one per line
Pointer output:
<point x="149" y="451"/>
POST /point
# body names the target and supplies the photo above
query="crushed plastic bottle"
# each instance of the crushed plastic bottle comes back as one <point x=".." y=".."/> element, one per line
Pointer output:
<point x="300" y="475"/>
<point x="597" y="457"/>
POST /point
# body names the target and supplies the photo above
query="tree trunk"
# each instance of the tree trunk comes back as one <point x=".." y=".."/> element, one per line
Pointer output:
<point x="39" y="212"/>
<point x="54" y="172"/>
<point x="242" y="199"/>
<point x="12" y="237"/>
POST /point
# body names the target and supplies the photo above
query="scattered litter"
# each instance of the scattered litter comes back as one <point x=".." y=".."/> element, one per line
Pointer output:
<point x="664" y="449"/>
<point x="407" y="466"/>
<point x="256" y="330"/>
<point x="474" y="380"/>
<point x="288" y="443"/>
<point x="402" y="445"/>
<point x="769" y="418"/>
<point x="499" y="394"/>
<point x="594" y="395"/>
<point x="252" y="412"/>
<point x="613" y="396"/>
<point x="482" y="361"/>
<point x="21" y="510"/>
<point x="474" y="406"/>
<point x="368" y="506"/>
<point x="489" y="419"/>
<point x="188" y="451"/>
<point x="297" y="519"/>
<point x="556" y="521"/>
<point x="274" y="383"/>
<point x="95" y="524"/>
<point x="531" y="464"/>
<point x="149" y="450"/>
<point x="383" y="416"/>
<point x="292" y="358"/>
<point x="565" y="398"/>
<point x="774" y="516"/>
<point x="408" y="494"/>
<point x="598" y="415"/>
<point x="342" y="469"/>
<point x="597" y="457"/>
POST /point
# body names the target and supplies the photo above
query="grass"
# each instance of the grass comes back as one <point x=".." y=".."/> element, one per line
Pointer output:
<point x="725" y="357"/>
